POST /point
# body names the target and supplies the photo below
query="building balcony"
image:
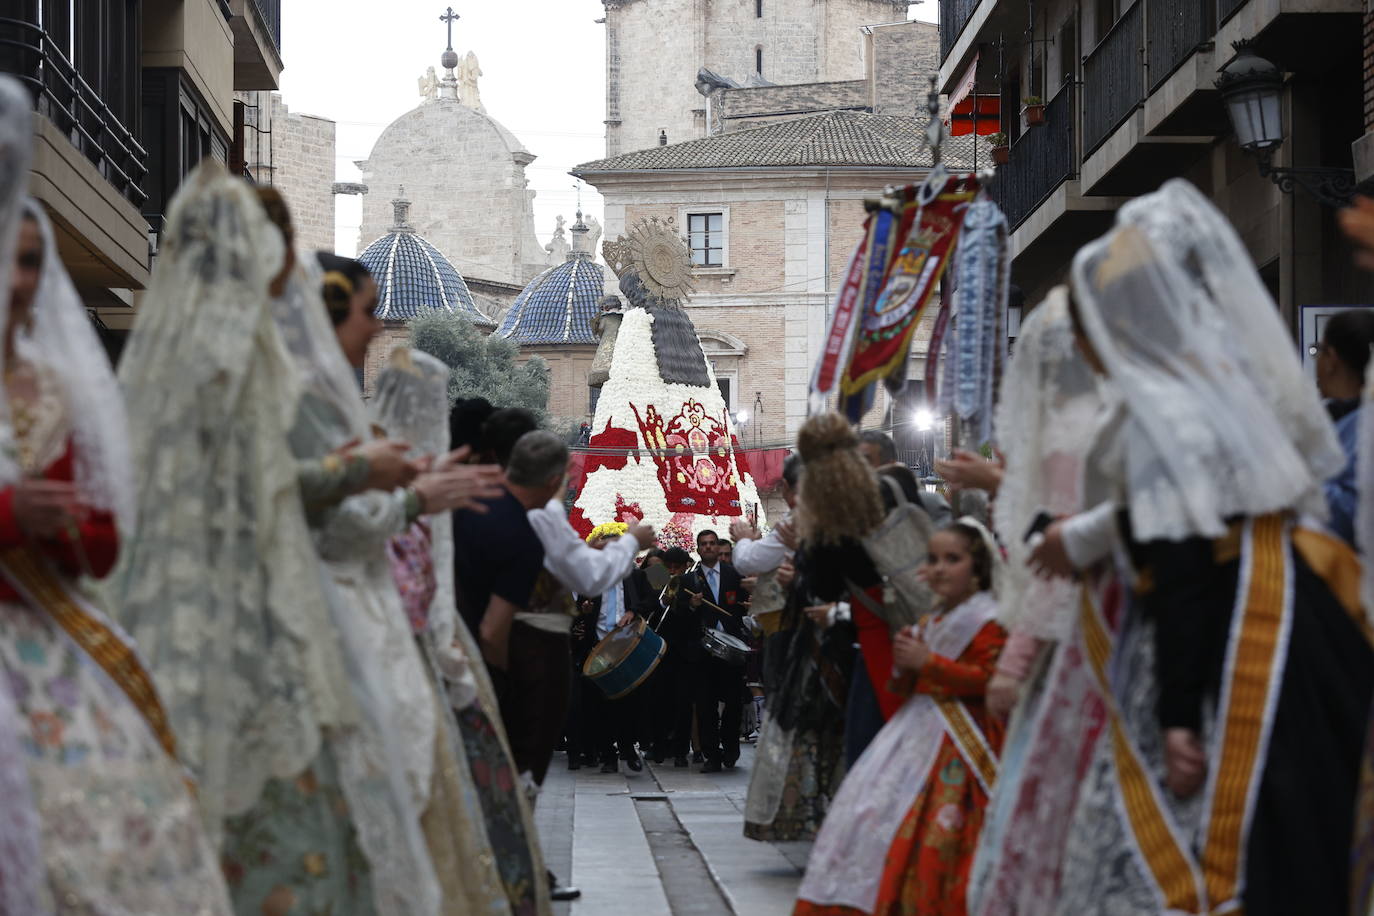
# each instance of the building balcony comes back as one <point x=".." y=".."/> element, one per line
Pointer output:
<point x="257" y="44"/>
<point x="1044" y="158"/>
<point x="88" y="167"/>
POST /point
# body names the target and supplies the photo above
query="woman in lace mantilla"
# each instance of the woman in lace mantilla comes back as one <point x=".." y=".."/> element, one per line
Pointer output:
<point x="97" y="816"/>
<point x="411" y="403"/>
<point x="1237" y="681"/>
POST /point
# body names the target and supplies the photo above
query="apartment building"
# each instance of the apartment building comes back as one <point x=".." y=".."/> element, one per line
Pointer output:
<point x="1129" y="97"/>
<point x="130" y="96"/>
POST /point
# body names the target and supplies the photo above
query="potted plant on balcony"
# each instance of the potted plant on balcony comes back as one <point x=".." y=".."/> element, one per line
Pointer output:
<point x="1034" y="110"/>
<point x="1001" y="150"/>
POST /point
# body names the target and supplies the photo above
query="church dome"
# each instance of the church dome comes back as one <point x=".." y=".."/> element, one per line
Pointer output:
<point x="557" y="307"/>
<point x="412" y="275"/>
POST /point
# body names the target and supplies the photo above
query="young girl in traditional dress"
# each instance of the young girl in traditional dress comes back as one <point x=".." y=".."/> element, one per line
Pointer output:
<point x="914" y="802"/>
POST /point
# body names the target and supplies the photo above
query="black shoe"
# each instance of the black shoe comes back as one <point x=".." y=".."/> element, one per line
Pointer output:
<point x="610" y="766"/>
<point x="696" y="757"/>
<point x="574" y="763"/>
<point x="730" y="764"/>
<point x="711" y="766"/>
<point x="658" y="757"/>
<point x="680" y="762"/>
<point x="634" y="764"/>
<point x="562" y="892"/>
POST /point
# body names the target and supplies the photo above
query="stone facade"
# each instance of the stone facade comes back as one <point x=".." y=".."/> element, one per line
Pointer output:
<point x="295" y="153"/>
<point x="762" y="316"/>
<point x="654" y="49"/>
<point x="465" y="174"/>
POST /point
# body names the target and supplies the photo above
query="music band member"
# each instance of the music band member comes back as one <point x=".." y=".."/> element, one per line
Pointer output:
<point x="716" y="597"/>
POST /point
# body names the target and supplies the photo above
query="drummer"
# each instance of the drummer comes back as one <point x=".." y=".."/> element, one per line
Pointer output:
<point x="716" y="596"/>
<point x="617" y="723"/>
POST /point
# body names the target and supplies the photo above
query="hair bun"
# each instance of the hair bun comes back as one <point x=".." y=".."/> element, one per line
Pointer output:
<point x="825" y="433"/>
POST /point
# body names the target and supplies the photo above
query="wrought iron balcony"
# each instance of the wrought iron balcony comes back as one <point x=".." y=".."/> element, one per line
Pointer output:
<point x="270" y="11"/>
<point x="1113" y="78"/>
<point x="66" y="99"/>
<point x="1042" y="160"/>
<point x="954" y="15"/>
<point x="1174" y="29"/>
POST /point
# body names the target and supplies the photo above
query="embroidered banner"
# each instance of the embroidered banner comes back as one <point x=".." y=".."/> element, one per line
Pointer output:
<point x="885" y="330"/>
<point x="863" y="280"/>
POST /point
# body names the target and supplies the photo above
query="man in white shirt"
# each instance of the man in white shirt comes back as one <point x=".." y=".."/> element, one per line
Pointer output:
<point x="755" y="555"/>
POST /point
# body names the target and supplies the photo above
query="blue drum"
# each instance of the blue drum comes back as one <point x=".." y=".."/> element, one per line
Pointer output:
<point x="625" y="659"/>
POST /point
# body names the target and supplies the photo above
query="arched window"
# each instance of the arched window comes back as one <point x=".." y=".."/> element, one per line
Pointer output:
<point x="758" y="9"/>
<point x="758" y="60"/>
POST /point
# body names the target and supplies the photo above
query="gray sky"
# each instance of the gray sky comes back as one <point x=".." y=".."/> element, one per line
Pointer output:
<point x="543" y="65"/>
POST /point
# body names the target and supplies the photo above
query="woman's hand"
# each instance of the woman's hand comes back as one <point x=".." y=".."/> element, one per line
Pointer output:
<point x="1050" y="558"/>
<point x="741" y="530"/>
<point x="787" y="573"/>
<point x="966" y="471"/>
<point x="910" y="652"/>
<point x="387" y="465"/>
<point x="1003" y="692"/>
<point x="1185" y="762"/>
<point x="463" y="486"/>
<point x="819" y="613"/>
<point x="45" y="508"/>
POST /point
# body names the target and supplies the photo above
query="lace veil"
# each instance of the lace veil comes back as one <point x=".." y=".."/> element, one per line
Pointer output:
<point x="1048" y="412"/>
<point x="1235" y="304"/>
<point x="219" y="580"/>
<point x="1203" y="442"/>
<point x="62" y="338"/>
<point x="23" y="874"/>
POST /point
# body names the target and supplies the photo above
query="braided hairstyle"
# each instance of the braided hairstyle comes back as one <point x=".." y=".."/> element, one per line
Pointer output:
<point x="342" y="277"/>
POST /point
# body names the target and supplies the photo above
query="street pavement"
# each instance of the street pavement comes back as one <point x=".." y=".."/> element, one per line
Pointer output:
<point x="663" y="841"/>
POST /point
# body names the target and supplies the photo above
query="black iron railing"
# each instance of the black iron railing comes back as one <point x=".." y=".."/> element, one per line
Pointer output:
<point x="68" y="101"/>
<point x="1040" y="162"/>
<point x="1113" y="78"/>
<point x="270" y="11"/>
<point x="954" y="15"/>
<point x="1227" y="8"/>
<point x="1174" y="29"/>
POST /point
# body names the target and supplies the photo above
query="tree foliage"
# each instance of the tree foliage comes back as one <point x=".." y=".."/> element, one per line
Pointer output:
<point x="483" y="366"/>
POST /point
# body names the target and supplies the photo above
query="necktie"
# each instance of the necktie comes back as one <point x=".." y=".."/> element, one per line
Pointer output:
<point x="712" y="579"/>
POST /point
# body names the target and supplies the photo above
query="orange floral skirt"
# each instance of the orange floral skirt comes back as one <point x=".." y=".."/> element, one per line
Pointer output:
<point x="928" y="863"/>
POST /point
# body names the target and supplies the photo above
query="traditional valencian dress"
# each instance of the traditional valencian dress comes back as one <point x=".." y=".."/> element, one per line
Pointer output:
<point x="900" y="836"/>
<point x="411" y="403"/>
<point x="1245" y="626"/>
<point x="799" y="759"/>
<point x="95" y="812"/>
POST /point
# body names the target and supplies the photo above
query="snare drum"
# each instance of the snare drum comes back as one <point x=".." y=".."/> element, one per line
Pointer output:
<point x="725" y="647"/>
<point x="624" y="659"/>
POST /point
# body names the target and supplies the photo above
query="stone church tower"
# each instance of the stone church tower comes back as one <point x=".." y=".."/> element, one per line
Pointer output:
<point x="655" y="49"/>
<point x="465" y="173"/>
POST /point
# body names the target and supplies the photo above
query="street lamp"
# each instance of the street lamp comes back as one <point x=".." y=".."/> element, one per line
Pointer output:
<point x="1252" y="90"/>
<point x="924" y="420"/>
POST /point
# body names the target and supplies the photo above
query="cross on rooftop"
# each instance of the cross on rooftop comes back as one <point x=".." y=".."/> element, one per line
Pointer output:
<point x="450" y="18"/>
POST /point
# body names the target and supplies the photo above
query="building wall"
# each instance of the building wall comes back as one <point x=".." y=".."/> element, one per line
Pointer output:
<point x="298" y="160"/>
<point x="465" y="176"/>
<point x="790" y="240"/>
<point x="902" y="57"/>
<point x="569" y="367"/>
<point x="194" y="36"/>
<point x="654" y="49"/>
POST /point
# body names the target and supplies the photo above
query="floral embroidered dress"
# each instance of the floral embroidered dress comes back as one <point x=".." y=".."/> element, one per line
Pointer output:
<point x="120" y="833"/>
<point x="901" y="834"/>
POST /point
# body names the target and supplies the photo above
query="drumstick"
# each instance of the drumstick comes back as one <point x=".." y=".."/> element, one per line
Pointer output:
<point x="710" y="604"/>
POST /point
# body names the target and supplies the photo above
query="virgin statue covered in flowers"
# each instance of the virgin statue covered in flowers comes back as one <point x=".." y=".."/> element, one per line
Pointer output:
<point x="663" y="446"/>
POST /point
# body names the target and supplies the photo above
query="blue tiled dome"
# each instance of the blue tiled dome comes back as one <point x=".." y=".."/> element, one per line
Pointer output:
<point x="412" y="275"/>
<point x="557" y="307"/>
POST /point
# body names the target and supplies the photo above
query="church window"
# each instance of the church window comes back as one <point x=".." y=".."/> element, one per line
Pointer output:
<point x="758" y="60"/>
<point x="706" y="232"/>
<point x="758" y="9"/>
